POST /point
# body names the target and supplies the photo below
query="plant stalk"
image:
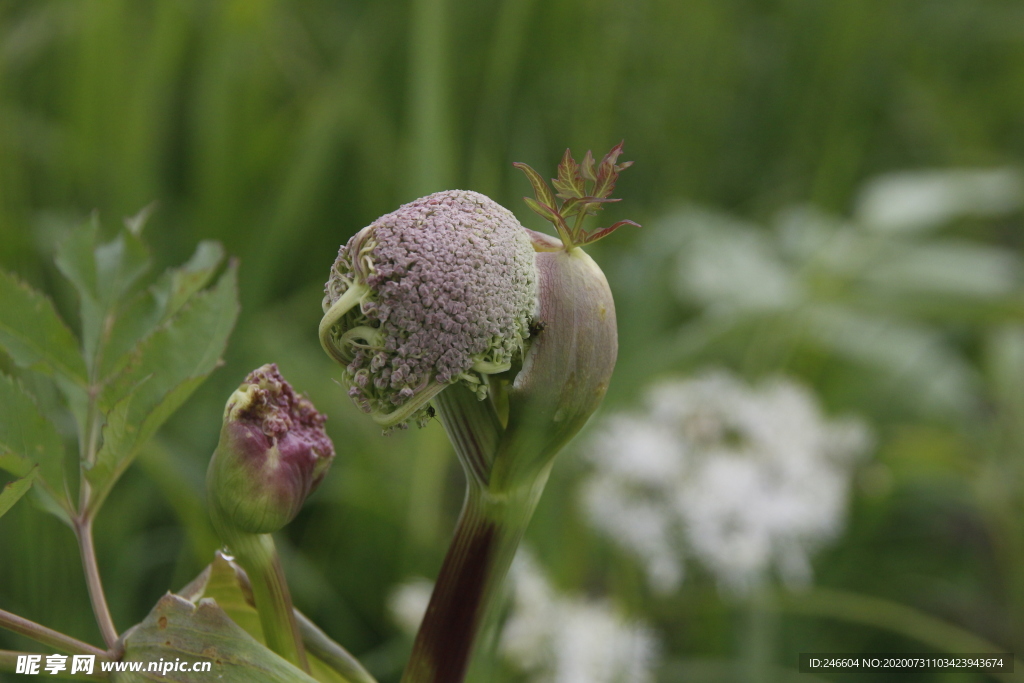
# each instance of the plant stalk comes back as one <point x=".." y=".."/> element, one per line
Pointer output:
<point x="486" y="537"/>
<point x="315" y="640"/>
<point x="83" y="531"/>
<point x="47" y="636"/>
<point x="257" y="554"/>
<point x="487" y="534"/>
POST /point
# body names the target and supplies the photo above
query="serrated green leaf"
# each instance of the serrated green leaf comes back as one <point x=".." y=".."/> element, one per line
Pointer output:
<point x="119" y="265"/>
<point x="34" y="335"/>
<point x="188" y="345"/>
<point x="28" y="439"/>
<point x="178" y="285"/>
<point x="127" y="430"/>
<point x="75" y="258"/>
<point x="77" y="261"/>
<point x="138" y="317"/>
<point x="103" y="274"/>
<point x="13" y="491"/>
<point x="119" y="438"/>
<point x="133" y="320"/>
<point x="178" y="630"/>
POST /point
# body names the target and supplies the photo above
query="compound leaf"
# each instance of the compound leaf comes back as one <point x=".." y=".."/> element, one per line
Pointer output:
<point x="164" y="369"/>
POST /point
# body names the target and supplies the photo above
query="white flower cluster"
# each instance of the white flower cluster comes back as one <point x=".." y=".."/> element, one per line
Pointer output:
<point x="560" y="639"/>
<point x="746" y="478"/>
<point x="551" y="637"/>
<point x="913" y="201"/>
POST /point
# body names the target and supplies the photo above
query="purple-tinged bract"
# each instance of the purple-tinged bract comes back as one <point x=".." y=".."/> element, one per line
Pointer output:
<point x="439" y="291"/>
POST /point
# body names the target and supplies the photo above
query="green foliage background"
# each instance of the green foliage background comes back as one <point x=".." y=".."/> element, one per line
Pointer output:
<point x="281" y="128"/>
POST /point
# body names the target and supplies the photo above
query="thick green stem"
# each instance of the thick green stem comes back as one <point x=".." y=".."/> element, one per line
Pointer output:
<point x="257" y="554"/>
<point x="47" y="636"/>
<point x="486" y="537"/>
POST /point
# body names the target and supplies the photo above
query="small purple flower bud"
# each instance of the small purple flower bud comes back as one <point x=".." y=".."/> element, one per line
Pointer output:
<point x="273" y="452"/>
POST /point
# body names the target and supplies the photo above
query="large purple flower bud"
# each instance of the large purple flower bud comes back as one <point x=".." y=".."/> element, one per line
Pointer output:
<point x="440" y="291"/>
<point x="273" y="452"/>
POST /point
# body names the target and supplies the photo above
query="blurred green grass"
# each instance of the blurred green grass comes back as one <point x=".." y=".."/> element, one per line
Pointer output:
<point x="282" y="128"/>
